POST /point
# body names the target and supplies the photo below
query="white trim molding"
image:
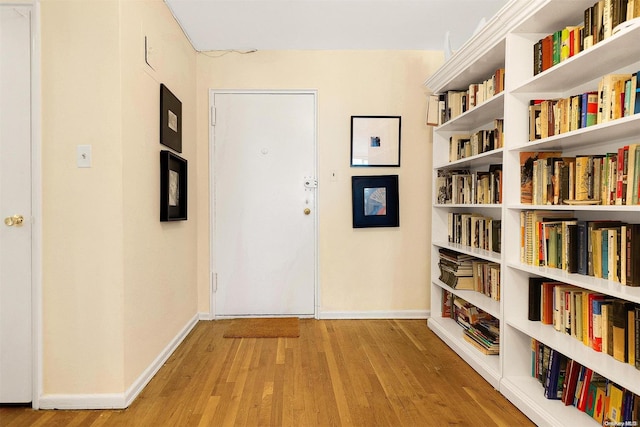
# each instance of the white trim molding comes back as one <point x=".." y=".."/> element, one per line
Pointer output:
<point x="118" y="400"/>
<point x="398" y="314"/>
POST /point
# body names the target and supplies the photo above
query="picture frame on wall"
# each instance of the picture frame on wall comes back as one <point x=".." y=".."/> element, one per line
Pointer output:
<point x="173" y="187"/>
<point x="170" y="120"/>
<point x="375" y="141"/>
<point x="375" y="201"/>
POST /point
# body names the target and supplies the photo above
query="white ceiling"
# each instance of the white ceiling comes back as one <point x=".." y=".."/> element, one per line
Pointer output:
<point x="330" y="24"/>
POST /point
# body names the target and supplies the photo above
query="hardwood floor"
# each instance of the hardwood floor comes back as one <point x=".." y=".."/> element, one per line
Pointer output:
<point x="339" y="372"/>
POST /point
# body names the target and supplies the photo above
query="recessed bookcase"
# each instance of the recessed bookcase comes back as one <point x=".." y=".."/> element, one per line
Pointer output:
<point x="507" y="42"/>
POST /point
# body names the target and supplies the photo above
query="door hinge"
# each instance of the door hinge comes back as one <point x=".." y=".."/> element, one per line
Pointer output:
<point x="213" y="116"/>
<point x="214" y="282"/>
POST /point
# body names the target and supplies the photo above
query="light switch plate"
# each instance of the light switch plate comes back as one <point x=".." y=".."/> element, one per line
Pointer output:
<point x="83" y="156"/>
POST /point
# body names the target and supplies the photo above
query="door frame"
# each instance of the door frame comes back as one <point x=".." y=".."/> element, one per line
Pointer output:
<point x="36" y="197"/>
<point x="212" y="174"/>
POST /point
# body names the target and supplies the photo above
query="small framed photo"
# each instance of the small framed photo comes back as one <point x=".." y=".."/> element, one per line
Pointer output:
<point x="173" y="187"/>
<point x="375" y="201"/>
<point x="375" y="141"/>
<point x="170" y="120"/>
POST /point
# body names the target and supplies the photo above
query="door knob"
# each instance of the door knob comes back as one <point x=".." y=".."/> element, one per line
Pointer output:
<point x="307" y="211"/>
<point x="15" y="220"/>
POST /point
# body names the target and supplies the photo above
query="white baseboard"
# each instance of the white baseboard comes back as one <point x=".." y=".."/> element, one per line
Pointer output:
<point x="205" y="316"/>
<point x="400" y="314"/>
<point x="117" y="400"/>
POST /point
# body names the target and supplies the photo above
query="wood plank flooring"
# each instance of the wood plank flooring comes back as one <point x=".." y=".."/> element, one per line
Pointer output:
<point x="338" y="373"/>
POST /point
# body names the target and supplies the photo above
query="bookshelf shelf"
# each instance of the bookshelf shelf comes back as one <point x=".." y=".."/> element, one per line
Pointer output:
<point x="620" y="129"/>
<point x="482" y="159"/>
<point x="451" y="333"/>
<point x="478" y="253"/>
<point x="481" y="301"/>
<point x="489" y="110"/>
<point x="526" y="393"/>
<point x="591" y="283"/>
<point x="621" y="373"/>
<point x="469" y="205"/>
<point x="613" y="53"/>
<point x="507" y="41"/>
<point x="584" y="208"/>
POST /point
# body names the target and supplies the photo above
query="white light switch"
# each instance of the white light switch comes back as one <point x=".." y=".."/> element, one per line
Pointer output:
<point x="83" y="156"/>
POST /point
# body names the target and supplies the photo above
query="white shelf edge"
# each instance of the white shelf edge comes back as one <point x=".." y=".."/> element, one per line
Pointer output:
<point x="467" y="250"/>
<point x="624" y="127"/>
<point x="608" y="287"/>
<point x="468" y="205"/>
<point x="528" y="395"/>
<point x="623" y="374"/>
<point x="478" y="299"/>
<point x="479" y="159"/>
<point x="588" y="208"/>
<point x="490" y="109"/>
<point x="583" y="63"/>
<point x="451" y="333"/>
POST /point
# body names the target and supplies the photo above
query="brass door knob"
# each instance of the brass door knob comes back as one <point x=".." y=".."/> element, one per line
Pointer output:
<point x="15" y="220"/>
<point x="307" y="211"/>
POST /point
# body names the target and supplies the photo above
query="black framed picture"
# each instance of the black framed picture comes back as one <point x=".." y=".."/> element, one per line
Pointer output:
<point x="375" y="201"/>
<point x="173" y="187"/>
<point x="170" y="119"/>
<point x="375" y="141"/>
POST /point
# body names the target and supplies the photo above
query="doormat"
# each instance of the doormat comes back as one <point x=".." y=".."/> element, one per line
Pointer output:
<point x="264" y="327"/>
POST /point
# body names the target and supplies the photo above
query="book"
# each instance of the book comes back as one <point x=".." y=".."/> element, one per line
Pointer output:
<point x="552" y="375"/>
<point x="597" y="382"/>
<point x="633" y="255"/>
<point x="535" y="298"/>
<point x="613" y="415"/>
<point x="527" y="160"/>
<point x="571" y="380"/>
<point x="637" y="337"/>
<point x="620" y="325"/>
<point x="581" y="403"/>
<point x="433" y="112"/>
<point x="631" y="334"/>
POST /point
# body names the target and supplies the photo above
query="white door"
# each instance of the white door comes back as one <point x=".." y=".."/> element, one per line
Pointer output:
<point x="15" y="203"/>
<point x="264" y="203"/>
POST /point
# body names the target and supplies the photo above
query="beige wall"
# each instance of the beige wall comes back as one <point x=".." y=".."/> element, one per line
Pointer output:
<point x="364" y="270"/>
<point x="118" y="285"/>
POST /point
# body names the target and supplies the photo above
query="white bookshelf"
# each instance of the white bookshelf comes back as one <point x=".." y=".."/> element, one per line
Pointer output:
<point x="507" y="41"/>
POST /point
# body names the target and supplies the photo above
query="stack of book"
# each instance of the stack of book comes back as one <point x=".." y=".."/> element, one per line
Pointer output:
<point x="462" y="146"/>
<point x="600" y="22"/>
<point x="444" y="107"/>
<point x="617" y="97"/>
<point x="603" y="323"/>
<point x="456" y="269"/>
<point x="484" y="335"/>
<point x="576" y="385"/>
<point x="467" y="187"/>
<point x="548" y="178"/>
<point x="603" y="249"/>
<point x="474" y="230"/>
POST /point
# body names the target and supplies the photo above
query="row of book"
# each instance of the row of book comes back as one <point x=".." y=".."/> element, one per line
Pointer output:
<point x="603" y="323"/>
<point x="480" y="329"/>
<point x="446" y="106"/>
<point x="462" y="146"/>
<point x="600" y="22"/>
<point x="463" y="186"/>
<point x="576" y="385"/>
<point x="604" y="249"/>
<point x="548" y="178"/>
<point x="465" y="272"/>
<point x="474" y="230"/>
<point x="617" y="97"/>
